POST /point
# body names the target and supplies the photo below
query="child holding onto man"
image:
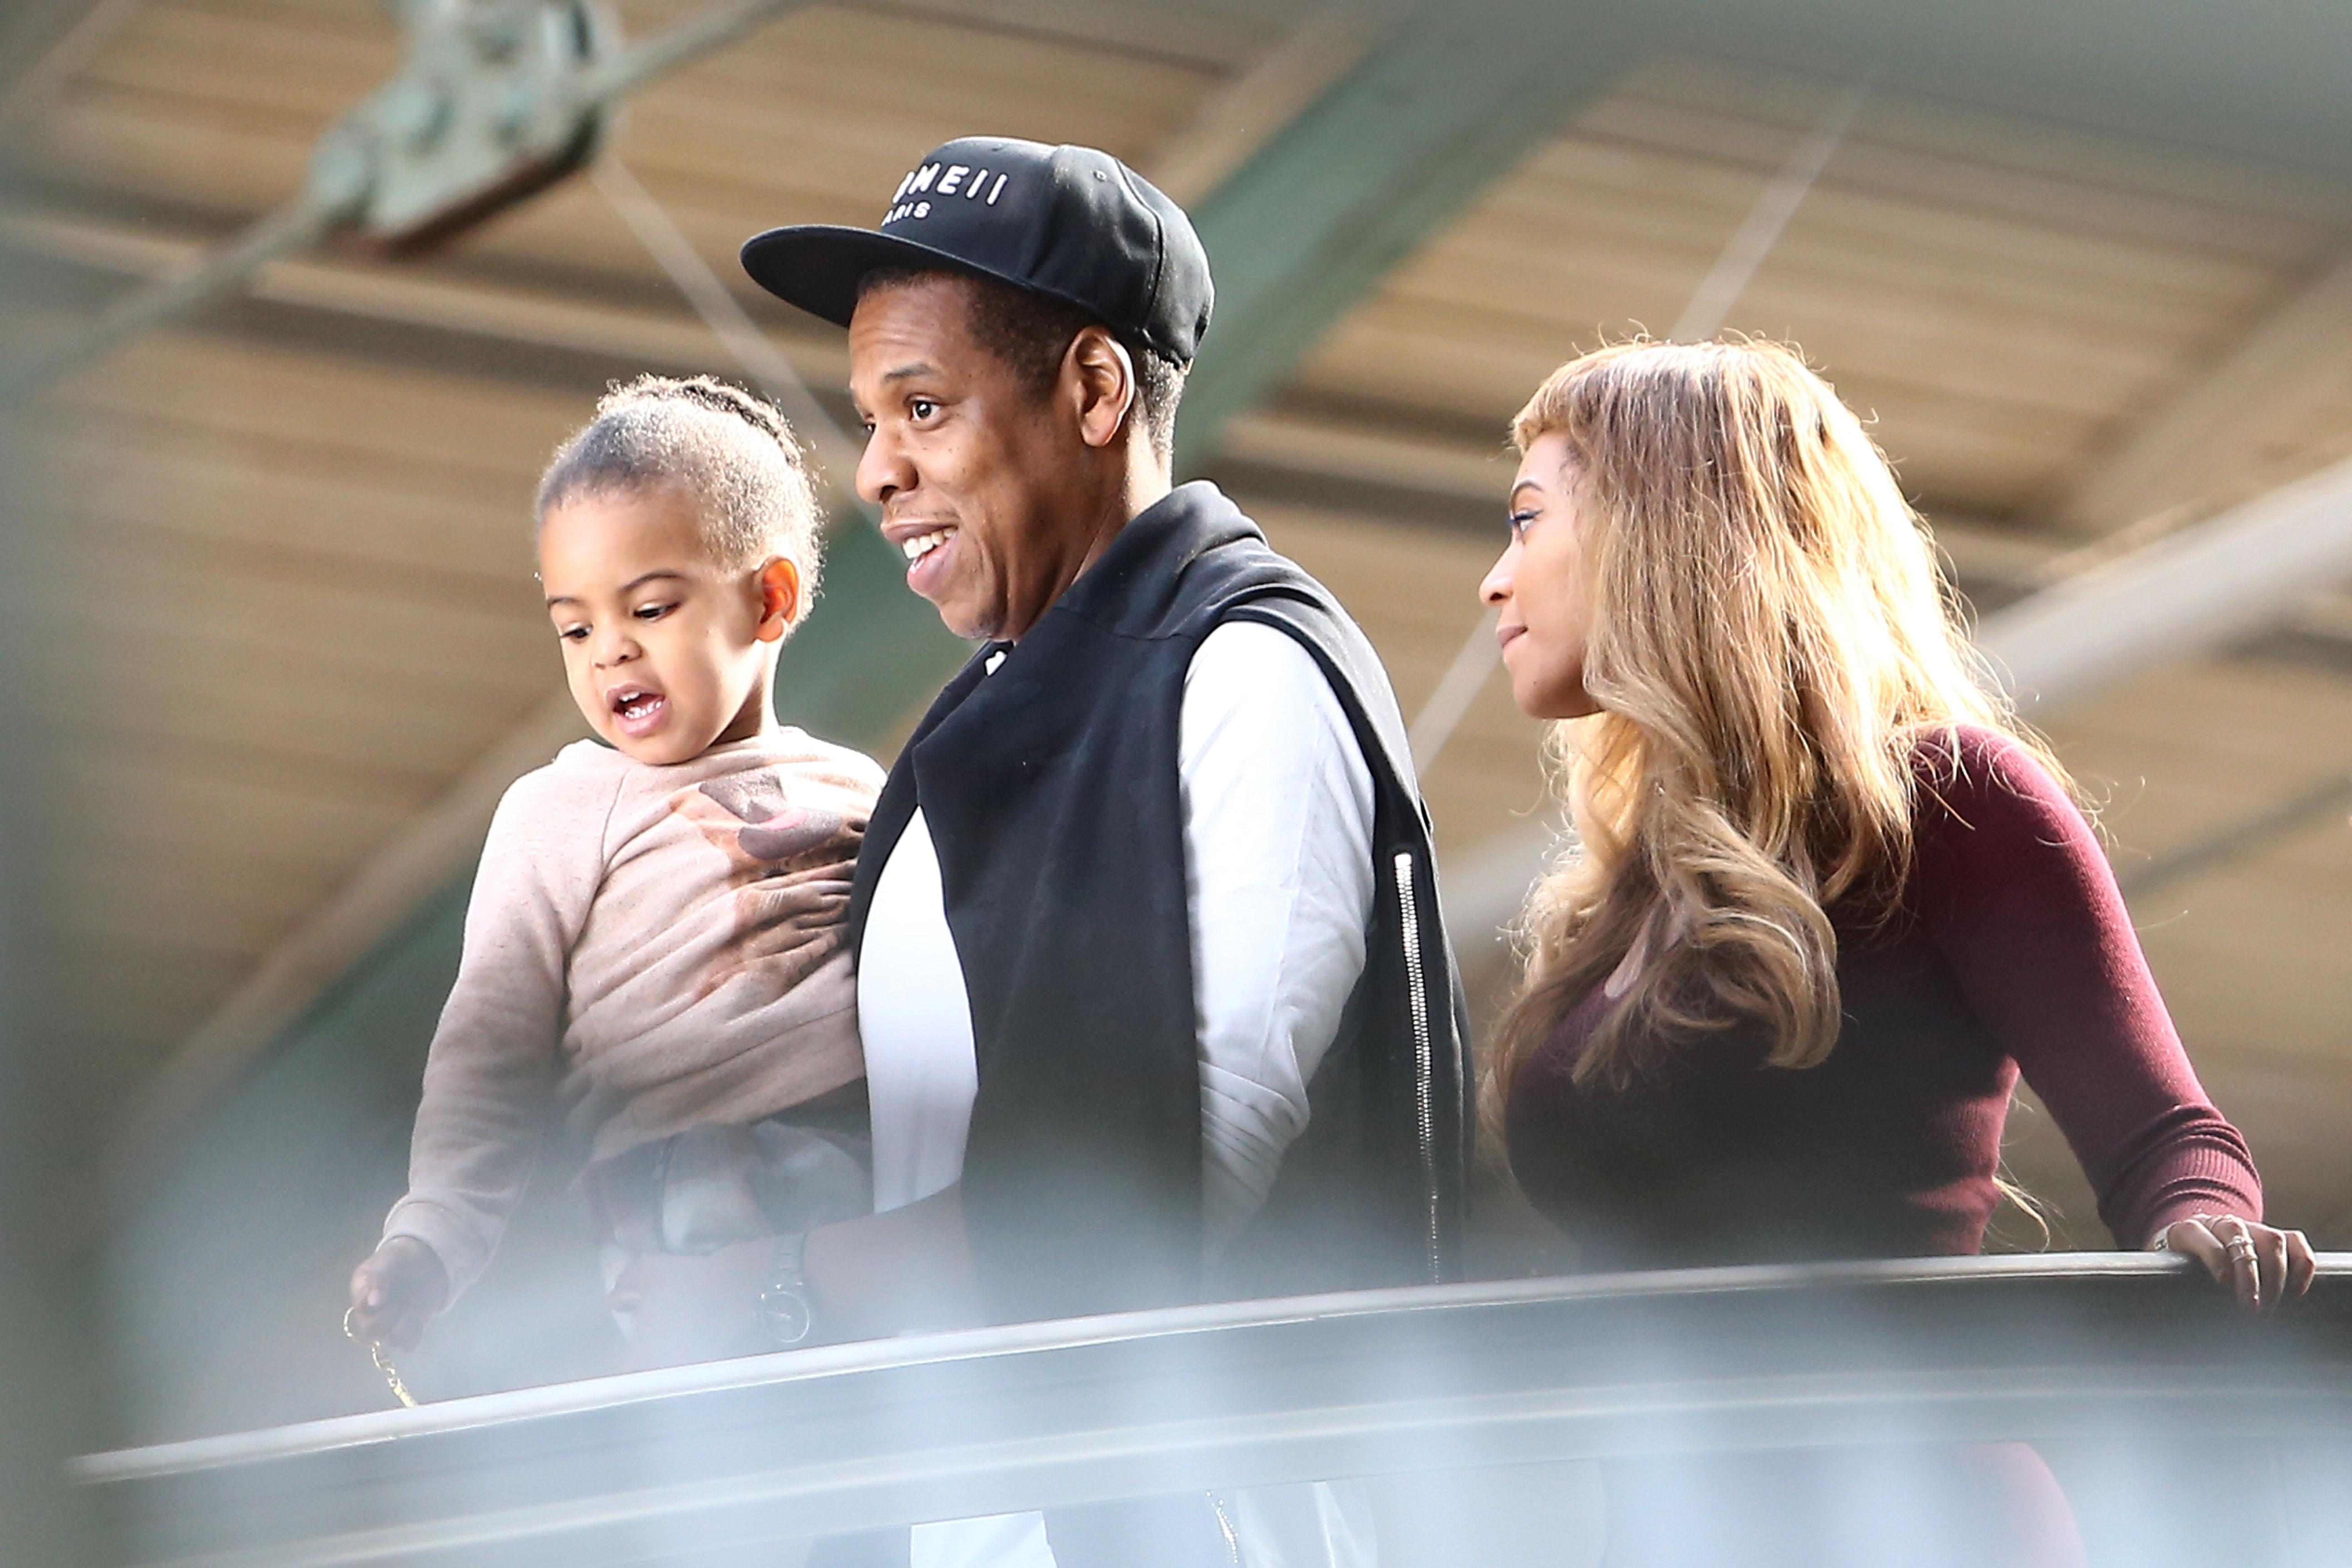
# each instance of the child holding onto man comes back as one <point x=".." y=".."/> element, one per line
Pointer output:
<point x="655" y="941"/>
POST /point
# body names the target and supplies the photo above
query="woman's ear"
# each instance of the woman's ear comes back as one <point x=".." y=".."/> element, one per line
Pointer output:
<point x="780" y="598"/>
<point x="1102" y="378"/>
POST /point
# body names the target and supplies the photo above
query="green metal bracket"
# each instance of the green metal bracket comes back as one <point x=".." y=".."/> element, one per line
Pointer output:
<point x="1452" y="98"/>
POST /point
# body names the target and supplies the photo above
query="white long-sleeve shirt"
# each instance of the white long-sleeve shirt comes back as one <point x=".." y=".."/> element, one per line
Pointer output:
<point x="1278" y="805"/>
<point x="1278" y="876"/>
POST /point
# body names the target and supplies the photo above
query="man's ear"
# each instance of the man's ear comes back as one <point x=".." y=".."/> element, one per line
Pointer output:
<point x="780" y="598"/>
<point x="1098" y="374"/>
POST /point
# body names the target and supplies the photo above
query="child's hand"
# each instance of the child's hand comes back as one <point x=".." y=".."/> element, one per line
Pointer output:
<point x="396" y="1292"/>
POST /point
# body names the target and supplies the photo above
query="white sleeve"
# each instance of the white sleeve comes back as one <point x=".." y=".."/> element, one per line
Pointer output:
<point x="1278" y="874"/>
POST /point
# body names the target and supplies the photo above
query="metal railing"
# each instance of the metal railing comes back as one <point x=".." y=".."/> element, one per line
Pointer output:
<point x="2084" y="1347"/>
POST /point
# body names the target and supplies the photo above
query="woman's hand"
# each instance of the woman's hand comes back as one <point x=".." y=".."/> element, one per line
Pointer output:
<point x="395" y="1293"/>
<point x="2264" y="1266"/>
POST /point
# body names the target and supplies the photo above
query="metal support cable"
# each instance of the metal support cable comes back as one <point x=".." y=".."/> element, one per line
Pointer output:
<point x="295" y="226"/>
<point x="836" y="451"/>
<point x="1449" y="701"/>
<point x="2241" y="838"/>
<point x="688" y="41"/>
<point x="1743" y="256"/>
<point x="1734" y="268"/>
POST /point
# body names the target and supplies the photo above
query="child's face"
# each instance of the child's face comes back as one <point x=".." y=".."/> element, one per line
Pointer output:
<point x="666" y="649"/>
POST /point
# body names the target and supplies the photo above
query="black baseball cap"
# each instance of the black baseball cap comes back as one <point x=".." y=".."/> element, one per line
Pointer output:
<point x="1069" y="222"/>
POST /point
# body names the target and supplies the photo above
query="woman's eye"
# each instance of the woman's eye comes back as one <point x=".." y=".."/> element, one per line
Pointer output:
<point x="1518" y="521"/>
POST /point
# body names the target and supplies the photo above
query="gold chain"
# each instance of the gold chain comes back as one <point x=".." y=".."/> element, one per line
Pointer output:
<point x="383" y="1362"/>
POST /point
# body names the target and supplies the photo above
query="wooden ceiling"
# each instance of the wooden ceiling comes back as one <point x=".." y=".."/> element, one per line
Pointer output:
<point x="292" y="606"/>
<point x="2009" y="298"/>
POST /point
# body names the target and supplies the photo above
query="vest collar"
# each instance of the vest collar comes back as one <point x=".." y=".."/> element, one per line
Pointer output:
<point x="1132" y="583"/>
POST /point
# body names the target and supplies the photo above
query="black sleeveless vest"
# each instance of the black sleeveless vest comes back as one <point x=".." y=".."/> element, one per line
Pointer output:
<point x="1051" y="792"/>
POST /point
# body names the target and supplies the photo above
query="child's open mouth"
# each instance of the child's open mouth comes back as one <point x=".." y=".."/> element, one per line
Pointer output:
<point x="637" y="709"/>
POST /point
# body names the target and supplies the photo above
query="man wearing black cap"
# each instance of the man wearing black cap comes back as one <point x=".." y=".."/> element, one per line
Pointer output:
<point x="1156" y="1000"/>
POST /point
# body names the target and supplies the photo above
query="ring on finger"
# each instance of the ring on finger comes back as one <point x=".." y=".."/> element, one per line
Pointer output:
<point x="2242" y="1247"/>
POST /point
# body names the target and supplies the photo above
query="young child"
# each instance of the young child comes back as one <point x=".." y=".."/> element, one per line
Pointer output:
<point x="653" y="944"/>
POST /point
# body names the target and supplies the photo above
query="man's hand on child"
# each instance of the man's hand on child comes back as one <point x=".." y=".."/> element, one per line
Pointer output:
<point x="396" y="1292"/>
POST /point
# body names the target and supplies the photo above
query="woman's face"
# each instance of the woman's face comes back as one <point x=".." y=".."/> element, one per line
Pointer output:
<point x="1539" y="589"/>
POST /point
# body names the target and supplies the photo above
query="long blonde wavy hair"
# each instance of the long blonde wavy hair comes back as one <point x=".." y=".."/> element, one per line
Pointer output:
<point x="1768" y="636"/>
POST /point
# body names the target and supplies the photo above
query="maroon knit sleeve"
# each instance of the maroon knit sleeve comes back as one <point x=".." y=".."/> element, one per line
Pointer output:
<point x="2009" y="883"/>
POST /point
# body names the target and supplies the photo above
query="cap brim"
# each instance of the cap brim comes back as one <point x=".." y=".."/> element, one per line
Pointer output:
<point x="819" y="267"/>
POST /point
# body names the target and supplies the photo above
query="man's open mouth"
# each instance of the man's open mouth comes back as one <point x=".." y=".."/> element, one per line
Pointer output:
<point x="922" y="544"/>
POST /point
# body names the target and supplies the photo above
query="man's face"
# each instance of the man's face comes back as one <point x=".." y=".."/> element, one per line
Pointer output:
<point x="971" y="469"/>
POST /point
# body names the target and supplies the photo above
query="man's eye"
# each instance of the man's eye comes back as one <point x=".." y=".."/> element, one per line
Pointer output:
<point x="921" y="408"/>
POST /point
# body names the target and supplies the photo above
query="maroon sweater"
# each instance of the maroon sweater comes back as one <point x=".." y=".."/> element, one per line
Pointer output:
<point x="2012" y="950"/>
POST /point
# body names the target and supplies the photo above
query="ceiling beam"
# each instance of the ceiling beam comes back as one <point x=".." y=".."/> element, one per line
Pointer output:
<point x="1309" y="221"/>
<point x="426" y="298"/>
<point x="2169" y="468"/>
<point x="2197" y="589"/>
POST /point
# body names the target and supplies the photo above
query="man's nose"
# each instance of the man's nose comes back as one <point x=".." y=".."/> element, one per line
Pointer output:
<point x="883" y="469"/>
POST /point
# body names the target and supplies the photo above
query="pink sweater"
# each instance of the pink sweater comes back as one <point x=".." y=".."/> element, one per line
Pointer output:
<point x="649" y="949"/>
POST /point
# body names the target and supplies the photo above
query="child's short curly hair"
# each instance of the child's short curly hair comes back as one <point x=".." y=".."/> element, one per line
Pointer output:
<point x="732" y="451"/>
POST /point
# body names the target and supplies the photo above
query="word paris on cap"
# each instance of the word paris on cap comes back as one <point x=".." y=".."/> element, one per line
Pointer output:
<point x="949" y="180"/>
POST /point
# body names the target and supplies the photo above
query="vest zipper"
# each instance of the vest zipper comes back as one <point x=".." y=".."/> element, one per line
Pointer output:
<point x="1424" y="1088"/>
<point x="1227" y="1536"/>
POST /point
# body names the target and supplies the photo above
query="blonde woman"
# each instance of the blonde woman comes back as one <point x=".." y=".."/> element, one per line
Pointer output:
<point x="1829" y="898"/>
